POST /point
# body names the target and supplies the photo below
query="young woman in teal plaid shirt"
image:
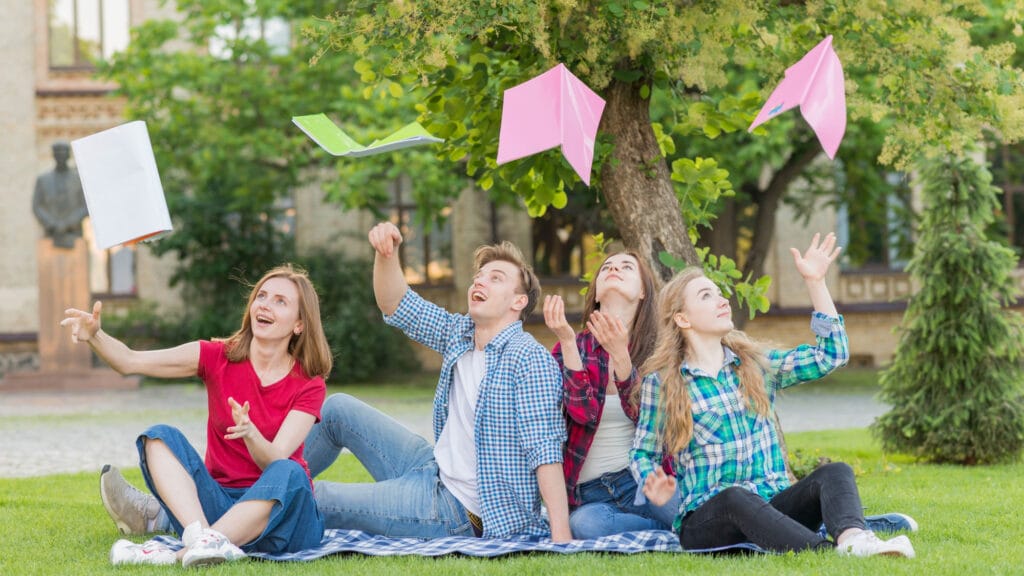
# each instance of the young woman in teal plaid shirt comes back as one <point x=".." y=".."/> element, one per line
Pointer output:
<point x="708" y="397"/>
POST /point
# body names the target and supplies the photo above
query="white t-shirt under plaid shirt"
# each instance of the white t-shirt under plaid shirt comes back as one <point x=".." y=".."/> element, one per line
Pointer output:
<point x="732" y="445"/>
<point x="519" y="424"/>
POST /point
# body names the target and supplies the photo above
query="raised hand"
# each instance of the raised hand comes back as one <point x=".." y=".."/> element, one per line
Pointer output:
<point x="554" y="318"/>
<point x="611" y="334"/>
<point x="243" y="426"/>
<point x="84" y="325"/>
<point x="659" y="487"/>
<point x="385" y="238"/>
<point x="813" y="264"/>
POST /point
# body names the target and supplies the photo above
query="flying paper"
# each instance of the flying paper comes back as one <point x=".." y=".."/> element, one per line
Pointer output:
<point x="122" y="185"/>
<point x="816" y="84"/>
<point x="553" y="109"/>
<point x="336" y="142"/>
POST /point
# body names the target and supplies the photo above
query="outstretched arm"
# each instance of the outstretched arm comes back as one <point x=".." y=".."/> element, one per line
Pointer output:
<point x="389" y="285"/>
<point x="813" y="265"/>
<point x="178" y="362"/>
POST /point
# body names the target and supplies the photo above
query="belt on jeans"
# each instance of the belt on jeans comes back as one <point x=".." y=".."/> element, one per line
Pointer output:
<point x="476" y="523"/>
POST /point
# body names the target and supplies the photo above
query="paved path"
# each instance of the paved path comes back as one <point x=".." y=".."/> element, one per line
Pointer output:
<point x="60" y="432"/>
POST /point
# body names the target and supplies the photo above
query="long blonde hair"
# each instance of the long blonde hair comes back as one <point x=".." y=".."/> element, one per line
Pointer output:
<point x="672" y="349"/>
<point x="309" y="347"/>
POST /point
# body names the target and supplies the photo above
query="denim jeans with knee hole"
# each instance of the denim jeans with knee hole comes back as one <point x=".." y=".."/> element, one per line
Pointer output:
<point x="608" y="508"/>
<point x="788" y="521"/>
<point x="407" y="497"/>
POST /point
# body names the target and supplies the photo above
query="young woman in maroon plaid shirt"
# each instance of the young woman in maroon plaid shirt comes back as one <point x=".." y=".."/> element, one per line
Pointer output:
<point x="597" y="364"/>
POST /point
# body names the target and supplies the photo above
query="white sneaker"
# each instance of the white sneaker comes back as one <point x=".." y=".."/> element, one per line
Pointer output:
<point x="151" y="552"/>
<point x="865" y="543"/>
<point x="206" y="546"/>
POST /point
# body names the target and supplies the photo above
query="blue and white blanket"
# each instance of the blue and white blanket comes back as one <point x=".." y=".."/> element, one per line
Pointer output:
<point x="358" y="542"/>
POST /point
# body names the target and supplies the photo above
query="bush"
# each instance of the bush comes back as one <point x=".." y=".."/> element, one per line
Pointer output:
<point x="955" y="380"/>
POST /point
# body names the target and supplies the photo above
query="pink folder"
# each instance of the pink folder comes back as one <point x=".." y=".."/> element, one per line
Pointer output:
<point x="815" y="83"/>
<point x="553" y="109"/>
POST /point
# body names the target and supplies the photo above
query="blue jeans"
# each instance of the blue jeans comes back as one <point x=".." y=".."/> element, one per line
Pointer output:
<point x="294" y="524"/>
<point x="608" y="508"/>
<point x="407" y="497"/>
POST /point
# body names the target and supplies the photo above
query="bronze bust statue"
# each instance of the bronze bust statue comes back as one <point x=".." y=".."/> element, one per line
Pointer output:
<point x="58" y="201"/>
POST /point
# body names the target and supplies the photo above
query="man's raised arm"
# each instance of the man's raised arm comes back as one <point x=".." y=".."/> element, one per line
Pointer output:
<point x="389" y="285"/>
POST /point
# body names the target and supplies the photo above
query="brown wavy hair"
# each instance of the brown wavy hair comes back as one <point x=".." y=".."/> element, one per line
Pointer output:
<point x="671" y="351"/>
<point x="309" y="347"/>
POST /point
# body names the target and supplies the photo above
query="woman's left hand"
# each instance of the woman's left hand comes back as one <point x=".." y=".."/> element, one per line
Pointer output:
<point x="243" y="427"/>
<point x="659" y="487"/>
<point x="813" y="264"/>
<point x="611" y="334"/>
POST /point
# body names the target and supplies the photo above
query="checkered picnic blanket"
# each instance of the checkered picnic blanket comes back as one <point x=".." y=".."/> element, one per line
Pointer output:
<point x="358" y="542"/>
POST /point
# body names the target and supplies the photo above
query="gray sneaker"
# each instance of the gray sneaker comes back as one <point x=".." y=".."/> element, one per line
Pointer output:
<point x="134" y="511"/>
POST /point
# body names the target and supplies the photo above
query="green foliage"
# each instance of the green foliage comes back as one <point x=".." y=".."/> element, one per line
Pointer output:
<point x="363" y="346"/>
<point x="915" y="77"/>
<point x="956" y="379"/>
<point x="700" y="186"/>
<point x="218" y="106"/>
<point x="594" y="260"/>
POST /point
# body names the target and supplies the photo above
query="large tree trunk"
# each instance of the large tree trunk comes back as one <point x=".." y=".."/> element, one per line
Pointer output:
<point x="637" y="184"/>
<point x="768" y="205"/>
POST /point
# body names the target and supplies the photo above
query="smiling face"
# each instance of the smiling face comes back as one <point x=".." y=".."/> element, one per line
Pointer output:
<point x="274" y="312"/>
<point x="496" y="293"/>
<point x="620" y="274"/>
<point x="705" y="310"/>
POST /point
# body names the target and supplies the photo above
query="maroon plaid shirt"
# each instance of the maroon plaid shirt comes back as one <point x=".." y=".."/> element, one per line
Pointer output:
<point x="583" y="395"/>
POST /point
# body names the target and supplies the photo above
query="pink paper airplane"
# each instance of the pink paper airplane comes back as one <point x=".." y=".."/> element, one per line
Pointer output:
<point x="553" y="109"/>
<point x="816" y="84"/>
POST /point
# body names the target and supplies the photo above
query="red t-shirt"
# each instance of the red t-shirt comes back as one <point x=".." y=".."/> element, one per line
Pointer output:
<point x="229" y="461"/>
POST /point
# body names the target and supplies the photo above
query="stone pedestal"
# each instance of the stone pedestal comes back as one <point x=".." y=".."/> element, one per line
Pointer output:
<point x="64" y="365"/>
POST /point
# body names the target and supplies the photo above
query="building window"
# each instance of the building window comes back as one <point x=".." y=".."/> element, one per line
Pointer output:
<point x="1008" y="175"/>
<point x="877" y="236"/>
<point x="84" y="31"/>
<point x="111" y="271"/>
<point x="426" y="253"/>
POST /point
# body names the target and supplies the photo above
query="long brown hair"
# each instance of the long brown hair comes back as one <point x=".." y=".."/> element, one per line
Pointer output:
<point x="642" y="331"/>
<point x="309" y="347"/>
<point x="671" y="351"/>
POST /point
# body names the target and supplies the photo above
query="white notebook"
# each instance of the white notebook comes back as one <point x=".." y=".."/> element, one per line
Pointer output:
<point x="122" y="185"/>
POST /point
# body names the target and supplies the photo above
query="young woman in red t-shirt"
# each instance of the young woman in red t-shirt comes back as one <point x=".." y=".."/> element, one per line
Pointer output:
<point x="265" y="386"/>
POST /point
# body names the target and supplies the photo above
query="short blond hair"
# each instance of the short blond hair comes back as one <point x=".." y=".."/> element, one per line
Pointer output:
<point x="507" y="252"/>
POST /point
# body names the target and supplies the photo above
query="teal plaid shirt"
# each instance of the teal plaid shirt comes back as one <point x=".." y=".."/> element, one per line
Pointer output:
<point x="732" y="445"/>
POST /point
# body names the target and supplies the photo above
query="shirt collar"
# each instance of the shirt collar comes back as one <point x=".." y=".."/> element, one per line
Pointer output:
<point x="500" y="339"/>
<point x="730" y="357"/>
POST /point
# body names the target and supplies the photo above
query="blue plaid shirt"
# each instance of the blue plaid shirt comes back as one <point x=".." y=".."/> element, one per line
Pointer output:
<point x="732" y="445"/>
<point x="518" y="424"/>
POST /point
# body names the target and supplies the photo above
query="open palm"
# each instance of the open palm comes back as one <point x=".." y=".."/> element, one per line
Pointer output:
<point x="814" y="262"/>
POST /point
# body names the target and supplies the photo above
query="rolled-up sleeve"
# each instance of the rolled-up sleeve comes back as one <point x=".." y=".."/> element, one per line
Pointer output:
<point x="538" y="400"/>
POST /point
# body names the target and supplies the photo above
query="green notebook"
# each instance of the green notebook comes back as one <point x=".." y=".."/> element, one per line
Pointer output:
<point x="336" y="142"/>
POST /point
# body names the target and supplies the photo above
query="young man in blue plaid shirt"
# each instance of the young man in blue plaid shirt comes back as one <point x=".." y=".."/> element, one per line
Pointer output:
<point x="498" y="427"/>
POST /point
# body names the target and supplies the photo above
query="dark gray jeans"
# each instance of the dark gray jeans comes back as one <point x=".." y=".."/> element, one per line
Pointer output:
<point x="789" y="521"/>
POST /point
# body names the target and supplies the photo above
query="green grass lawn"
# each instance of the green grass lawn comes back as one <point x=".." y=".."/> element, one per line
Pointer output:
<point x="969" y="517"/>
